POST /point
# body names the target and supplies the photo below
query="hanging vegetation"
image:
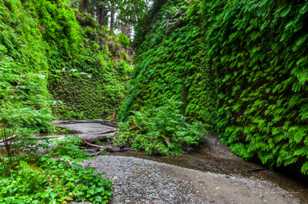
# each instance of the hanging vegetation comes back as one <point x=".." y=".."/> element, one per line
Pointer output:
<point x="239" y="67"/>
<point x="24" y="98"/>
<point x="43" y="44"/>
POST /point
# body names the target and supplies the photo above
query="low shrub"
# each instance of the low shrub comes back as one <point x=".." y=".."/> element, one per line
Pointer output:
<point x="161" y="130"/>
<point x="55" y="177"/>
<point x="53" y="181"/>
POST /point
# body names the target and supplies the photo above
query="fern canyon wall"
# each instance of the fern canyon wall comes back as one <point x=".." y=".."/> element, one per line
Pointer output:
<point x="237" y="69"/>
<point x="231" y="68"/>
<point x="57" y="62"/>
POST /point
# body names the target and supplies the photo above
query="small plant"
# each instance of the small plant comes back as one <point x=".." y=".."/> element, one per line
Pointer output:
<point x="52" y="178"/>
<point x="53" y="181"/>
<point x="69" y="148"/>
<point x="162" y="130"/>
<point x="124" y="40"/>
<point x="16" y="144"/>
<point x="6" y="137"/>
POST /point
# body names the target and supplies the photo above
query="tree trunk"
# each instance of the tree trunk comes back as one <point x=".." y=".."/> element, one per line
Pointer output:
<point x="93" y="7"/>
<point x="102" y="15"/>
<point x="84" y="5"/>
<point x="112" y="17"/>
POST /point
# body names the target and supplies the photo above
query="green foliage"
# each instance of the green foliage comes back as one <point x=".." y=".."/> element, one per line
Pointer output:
<point x="124" y="40"/>
<point x="159" y="97"/>
<point x="68" y="148"/>
<point x="260" y="85"/>
<point x="91" y="95"/>
<point x="43" y="44"/>
<point x="161" y="130"/>
<point x="240" y="67"/>
<point x="119" y="14"/>
<point x="85" y="62"/>
<point x="52" y="181"/>
<point x="144" y="25"/>
<point x="18" y="140"/>
<point x="24" y="99"/>
<point x="304" y="168"/>
<point x="31" y="179"/>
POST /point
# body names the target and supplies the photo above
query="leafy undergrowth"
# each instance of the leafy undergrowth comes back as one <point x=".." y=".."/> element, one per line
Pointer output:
<point x="53" y="178"/>
<point x="160" y="130"/>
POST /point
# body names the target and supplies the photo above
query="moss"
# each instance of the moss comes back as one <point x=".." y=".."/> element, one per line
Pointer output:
<point x="24" y="98"/>
<point x="240" y="72"/>
<point x="46" y="49"/>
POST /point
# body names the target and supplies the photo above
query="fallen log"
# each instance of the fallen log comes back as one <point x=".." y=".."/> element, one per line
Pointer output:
<point x="97" y="136"/>
<point x="8" y="139"/>
<point x="104" y="122"/>
<point x="108" y="148"/>
<point x="11" y="139"/>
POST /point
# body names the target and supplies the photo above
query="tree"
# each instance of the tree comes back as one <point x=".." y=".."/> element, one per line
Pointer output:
<point x="130" y="13"/>
<point x="122" y="15"/>
<point x="84" y="5"/>
<point x="144" y="23"/>
<point x="102" y="13"/>
<point x="113" y="9"/>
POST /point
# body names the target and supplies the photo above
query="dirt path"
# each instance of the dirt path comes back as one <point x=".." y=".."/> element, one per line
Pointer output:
<point x="212" y="175"/>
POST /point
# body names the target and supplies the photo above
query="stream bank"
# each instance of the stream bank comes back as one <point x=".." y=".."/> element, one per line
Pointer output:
<point x="139" y="178"/>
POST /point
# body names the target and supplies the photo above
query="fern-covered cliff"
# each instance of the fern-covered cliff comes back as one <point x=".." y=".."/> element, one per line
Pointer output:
<point x="53" y="57"/>
<point x="237" y="67"/>
<point x="24" y="98"/>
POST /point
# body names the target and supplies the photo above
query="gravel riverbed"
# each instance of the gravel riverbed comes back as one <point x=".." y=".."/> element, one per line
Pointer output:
<point x="142" y="181"/>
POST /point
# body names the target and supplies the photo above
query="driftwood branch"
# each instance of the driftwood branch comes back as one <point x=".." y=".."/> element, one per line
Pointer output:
<point x="8" y="139"/>
<point x="104" y="122"/>
<point x="97" y="136"/>
<point x="43" y="138"/>
<point x="4" y="142"/>
<point x="108" y="148"/>
<point x="107" y="132"/>
<point x="93" y="145"/>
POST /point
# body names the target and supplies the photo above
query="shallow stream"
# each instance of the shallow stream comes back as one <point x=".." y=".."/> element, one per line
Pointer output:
<point x="211" y="157"/>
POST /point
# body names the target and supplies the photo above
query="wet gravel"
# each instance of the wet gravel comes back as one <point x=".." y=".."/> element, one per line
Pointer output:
<point x="148" y="182"/>
<point x="212" y="175"/>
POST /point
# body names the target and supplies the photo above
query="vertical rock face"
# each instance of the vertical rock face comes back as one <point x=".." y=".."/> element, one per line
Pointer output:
<point x="229" y="67"/>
